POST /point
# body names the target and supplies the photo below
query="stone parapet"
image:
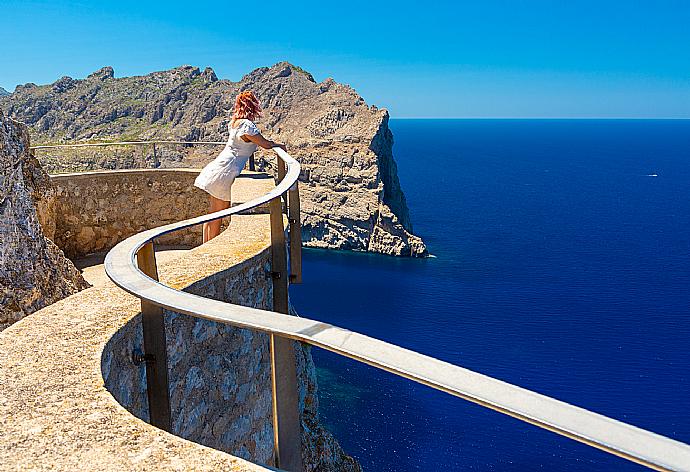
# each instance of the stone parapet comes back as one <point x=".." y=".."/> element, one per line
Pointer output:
<point x="96" y="210"/>
<point x="71" y="397"/>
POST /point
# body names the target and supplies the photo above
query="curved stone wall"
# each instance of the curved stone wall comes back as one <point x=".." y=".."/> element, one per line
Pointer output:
<point x="67" y="371"/>
<point x="220" y="383"/>
<point x="220" y="389"/>
<point x="96" y="210"/>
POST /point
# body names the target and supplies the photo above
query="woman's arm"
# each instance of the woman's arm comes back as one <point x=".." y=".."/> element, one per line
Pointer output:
<point x="259" y="140"/>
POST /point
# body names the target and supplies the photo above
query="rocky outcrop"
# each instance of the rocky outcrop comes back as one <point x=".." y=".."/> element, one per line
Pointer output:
<point x="3" y="92"/>
<point x="351" y="195"/>
<point x="33" y="271"/>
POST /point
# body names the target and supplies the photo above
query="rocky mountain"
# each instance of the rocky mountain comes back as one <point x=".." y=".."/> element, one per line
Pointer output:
<point x="3" y="92"/>
<point x="351" y="195"/>
<point x="33" y="271"/>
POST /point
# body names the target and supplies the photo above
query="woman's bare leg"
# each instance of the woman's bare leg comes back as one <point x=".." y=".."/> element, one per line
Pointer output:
<point x="212" y="228"/>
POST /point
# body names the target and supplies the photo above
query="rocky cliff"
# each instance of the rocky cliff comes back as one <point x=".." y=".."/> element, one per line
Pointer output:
<point x="351" y="195"/>
<point x="33" y="271"/>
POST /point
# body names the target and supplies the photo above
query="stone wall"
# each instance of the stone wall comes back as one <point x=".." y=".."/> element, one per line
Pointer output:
<point x="220" y="383"/>
<point x="219" y="375"/>
<point x="96" y="210"/>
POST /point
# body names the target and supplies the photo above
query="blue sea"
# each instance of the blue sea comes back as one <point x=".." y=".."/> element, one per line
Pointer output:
<point x="562" y="265"/>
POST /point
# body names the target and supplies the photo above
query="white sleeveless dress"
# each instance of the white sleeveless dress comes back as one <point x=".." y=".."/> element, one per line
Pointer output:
<point x="217" y="177"/>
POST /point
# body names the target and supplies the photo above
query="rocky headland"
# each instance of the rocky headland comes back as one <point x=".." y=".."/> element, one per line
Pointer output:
<point x="351" y="195"/>
<point x="34" y="272"/>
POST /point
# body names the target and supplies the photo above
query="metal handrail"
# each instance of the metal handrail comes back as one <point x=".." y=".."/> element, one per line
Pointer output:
<point x="122" y="143"/>
<point x="613" y="436"/>
<point x="41" y="147"/>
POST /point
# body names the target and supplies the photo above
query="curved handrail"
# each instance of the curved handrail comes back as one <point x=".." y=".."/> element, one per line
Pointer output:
<point x="630" y="442"/>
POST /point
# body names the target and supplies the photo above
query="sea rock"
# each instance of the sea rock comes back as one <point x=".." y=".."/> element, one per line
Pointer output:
<point x="33" y="270"/>
<point x="351" y="194"/>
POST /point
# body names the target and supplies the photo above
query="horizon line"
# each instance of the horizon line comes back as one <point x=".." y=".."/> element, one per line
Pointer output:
<point x="539" y="118"/>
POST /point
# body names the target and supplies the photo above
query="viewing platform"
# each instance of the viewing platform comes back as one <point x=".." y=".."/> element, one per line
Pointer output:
<point x="55" y="409"/>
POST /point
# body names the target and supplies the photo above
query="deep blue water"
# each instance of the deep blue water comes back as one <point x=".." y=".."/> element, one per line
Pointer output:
<point x="562" y="266"/>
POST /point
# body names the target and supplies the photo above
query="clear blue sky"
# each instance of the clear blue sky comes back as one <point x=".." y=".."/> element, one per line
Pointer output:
<point x="484" y="58"/>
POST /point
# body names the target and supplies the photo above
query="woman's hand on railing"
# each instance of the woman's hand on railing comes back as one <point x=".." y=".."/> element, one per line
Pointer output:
<point x="260" y="141"/>
<point x="278" y="145"/>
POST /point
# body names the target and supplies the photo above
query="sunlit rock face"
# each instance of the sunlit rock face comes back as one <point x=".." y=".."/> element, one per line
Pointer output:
<point x="351" y="194"/>
<point x="33" y="270"/>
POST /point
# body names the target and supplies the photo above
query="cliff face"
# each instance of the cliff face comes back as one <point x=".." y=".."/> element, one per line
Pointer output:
<point x="351" y="195"/>
<point x="33" y="271"/>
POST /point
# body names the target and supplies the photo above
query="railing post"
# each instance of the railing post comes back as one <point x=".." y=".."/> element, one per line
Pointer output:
<point x="252" y="163"/>
<point x="156" y="164"/>
<point x="287" y="430"/>
<point x="155" y="352"/>
<point x="281" y="168"/>
<point x="281" y="176"/>
<point x="295" y="235"/>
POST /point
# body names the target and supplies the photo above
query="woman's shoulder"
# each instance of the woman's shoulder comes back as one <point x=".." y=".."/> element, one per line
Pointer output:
<point x="240" y="122"/>
<point x="244" y="126"/>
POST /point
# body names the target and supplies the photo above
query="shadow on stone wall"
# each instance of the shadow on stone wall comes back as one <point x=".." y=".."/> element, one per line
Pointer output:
<point x="219" y="375"/>
<point x="220" y="382"/>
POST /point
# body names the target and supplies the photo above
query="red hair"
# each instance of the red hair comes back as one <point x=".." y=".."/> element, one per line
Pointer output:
<point x="246" y="106"/>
